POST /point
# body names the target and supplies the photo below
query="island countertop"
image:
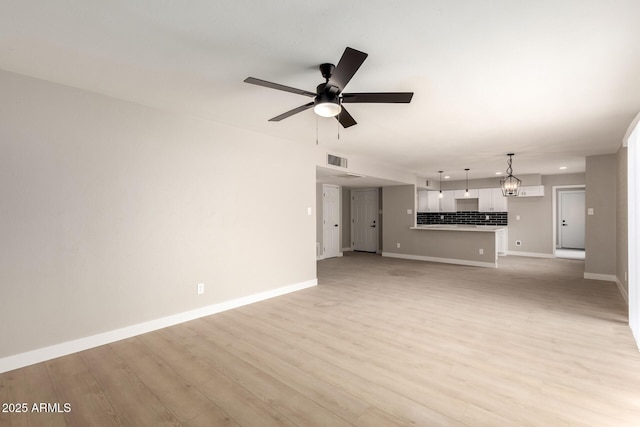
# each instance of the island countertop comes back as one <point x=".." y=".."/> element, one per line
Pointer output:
<point x="460" y="227"/>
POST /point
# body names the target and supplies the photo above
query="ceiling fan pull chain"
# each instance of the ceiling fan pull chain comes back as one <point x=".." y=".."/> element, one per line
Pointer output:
<point x="338" y="125"/>
<point x="316" y="130"/>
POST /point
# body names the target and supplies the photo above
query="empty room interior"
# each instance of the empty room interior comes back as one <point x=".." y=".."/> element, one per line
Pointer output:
<point x="320" y="214"/>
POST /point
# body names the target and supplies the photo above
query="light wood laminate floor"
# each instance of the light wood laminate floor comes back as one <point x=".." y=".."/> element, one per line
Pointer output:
<point x="380" y="342"/>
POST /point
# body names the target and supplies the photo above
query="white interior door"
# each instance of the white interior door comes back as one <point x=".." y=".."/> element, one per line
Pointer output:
<point x="330" y="221"/>
<point x="572" y="219"/>
<point x="364" y="220"/>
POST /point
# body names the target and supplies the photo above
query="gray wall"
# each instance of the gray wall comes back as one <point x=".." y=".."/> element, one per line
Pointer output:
<point x="600" y="239"/>
<point x="622" y="238"/>
<point x="455" y="245"/>
<point x="112" y="213"/>
<point x="535" y="226"/>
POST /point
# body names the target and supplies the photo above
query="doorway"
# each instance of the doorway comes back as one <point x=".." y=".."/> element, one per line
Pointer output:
<point x="365" y="223"/>
<point x="569" y="222"/>
<point x="330" y="221"/>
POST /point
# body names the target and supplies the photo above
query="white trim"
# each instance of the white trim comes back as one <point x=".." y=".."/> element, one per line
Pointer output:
<point x="622" y="290"/>
<point x="320" y="258"/>
<point x="597" y="276"/>
<point x="442" y="260"/>
<point x="554" y="209"/>
<point x="349" y="249"/>
<point x="632" y="127"/>
<point x="632" y="142"/>
<point x="531" y="254"/>
<point x="57" y="350"/>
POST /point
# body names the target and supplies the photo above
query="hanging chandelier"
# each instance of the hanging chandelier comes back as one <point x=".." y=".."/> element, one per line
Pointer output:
<point x="510" y="184"/>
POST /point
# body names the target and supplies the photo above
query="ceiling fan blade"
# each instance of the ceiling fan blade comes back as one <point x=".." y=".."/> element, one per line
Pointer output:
<point x="378" y="97"/>
<point x="345" y="119"/>
<point x="277" y="86"/>
<point x="349" y="63"/>
<point x="292" y="112"/>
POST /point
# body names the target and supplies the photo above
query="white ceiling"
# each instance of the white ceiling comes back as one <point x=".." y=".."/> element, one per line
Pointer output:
<point x="552" y="81"/>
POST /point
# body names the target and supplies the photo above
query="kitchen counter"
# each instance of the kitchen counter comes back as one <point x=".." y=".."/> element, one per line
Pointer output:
<point x="460" y="227"/>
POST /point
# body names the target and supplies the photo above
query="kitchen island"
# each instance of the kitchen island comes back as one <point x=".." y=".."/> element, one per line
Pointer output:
<point x="474" y="245"/>
<point x="444" y="243"/>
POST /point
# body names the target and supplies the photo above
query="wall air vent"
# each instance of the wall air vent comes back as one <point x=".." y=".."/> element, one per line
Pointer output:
<point x="336" y="161"/>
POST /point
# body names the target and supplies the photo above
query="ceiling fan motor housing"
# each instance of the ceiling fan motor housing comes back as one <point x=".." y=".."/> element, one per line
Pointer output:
<point x="327" y="70"/>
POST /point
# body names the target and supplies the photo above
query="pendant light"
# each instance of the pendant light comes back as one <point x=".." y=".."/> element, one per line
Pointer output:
<point x="466" y="192"/>
<point x="510" y="184"/>
<point x="440" y="194"/>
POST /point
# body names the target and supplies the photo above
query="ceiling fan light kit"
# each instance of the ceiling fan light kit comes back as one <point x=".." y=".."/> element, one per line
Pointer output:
<point x="329" y="96"/>
<point x="326" y="105"/>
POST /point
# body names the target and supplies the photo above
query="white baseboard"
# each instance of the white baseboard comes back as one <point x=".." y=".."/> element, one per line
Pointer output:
<point x="596" y="276"/>
<point x="57" y="350"/>
<point x="349" y="249"/>
<point x="531" y="254"/>
<point x="623" y="291"/>
<point x="442" y="260"/>
<point x="321" y="257"/>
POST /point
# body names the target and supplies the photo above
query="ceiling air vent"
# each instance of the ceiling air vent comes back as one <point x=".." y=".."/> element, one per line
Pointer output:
<point x="336" y="161"/>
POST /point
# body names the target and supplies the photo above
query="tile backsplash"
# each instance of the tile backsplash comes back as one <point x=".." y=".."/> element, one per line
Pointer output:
<point x="463" y="217"/>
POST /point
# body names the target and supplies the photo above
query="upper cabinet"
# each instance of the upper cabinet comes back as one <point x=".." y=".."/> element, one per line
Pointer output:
<point x="448" y="201"/>
<point x="428" y="201"/>
<point x="531" y="191"/>
<point x="491" y="200"/>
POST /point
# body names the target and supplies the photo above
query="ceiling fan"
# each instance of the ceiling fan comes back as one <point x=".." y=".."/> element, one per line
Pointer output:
<point x="329" y="96"/>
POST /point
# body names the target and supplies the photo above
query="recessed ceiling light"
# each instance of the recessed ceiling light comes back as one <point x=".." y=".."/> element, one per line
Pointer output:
<point x="563" y="167"/>
<point x="498" y="173"/>
<point x="447" y="177"/>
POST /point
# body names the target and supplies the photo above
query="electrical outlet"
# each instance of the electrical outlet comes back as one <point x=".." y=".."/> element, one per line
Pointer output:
<point x="486" y="217"/>
<point x="200" y="288"/>
<point x="517" y="217"/>
<point x="481" y="251"/>
<point x="441" y="216"/>
<point x="397" y="245"/>
<point x="409" y="211"/>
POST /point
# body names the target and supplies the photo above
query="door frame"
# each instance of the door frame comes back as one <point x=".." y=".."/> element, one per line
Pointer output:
<point x="554" y="207"/>
<point x="559" y="229"/>
<point x="339" y="203"/>
<point x="378" y="222"/>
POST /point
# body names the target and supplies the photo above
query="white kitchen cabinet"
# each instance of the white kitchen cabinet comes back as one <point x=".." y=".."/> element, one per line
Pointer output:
<point x="433" y="204"/>
<point x="531" y="191"/>
<point x="459" y="194"/>
<point x="423" y="201"/>
<point x="491" y="200"/>
<point x="498" y="201"/>
<point x="428" y="201"/>
<point x="448" y="201"/>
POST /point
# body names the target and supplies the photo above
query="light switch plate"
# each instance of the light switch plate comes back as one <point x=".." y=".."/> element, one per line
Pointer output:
<point x="409" y="211"/>
<point x="590" y="211"/>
